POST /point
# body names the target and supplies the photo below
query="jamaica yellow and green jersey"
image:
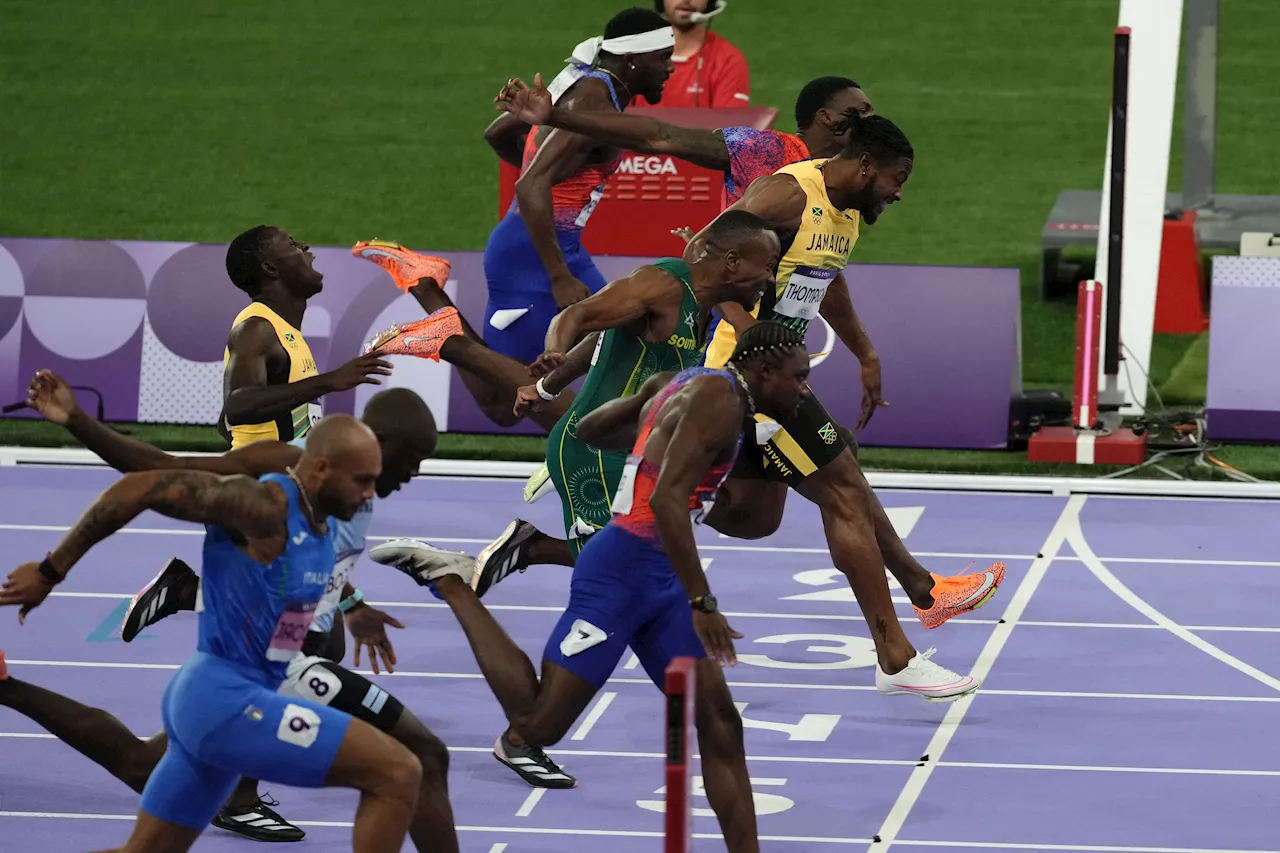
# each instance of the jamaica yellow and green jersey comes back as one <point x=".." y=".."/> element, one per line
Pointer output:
<point x="815" y="257"/>
<point x="298" y="422"/>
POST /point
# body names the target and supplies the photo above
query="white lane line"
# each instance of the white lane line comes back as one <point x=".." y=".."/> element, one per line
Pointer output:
<point x="771" y="685"/>
<point x="594" y="715"/>
<point x="633" y="662"/>
<point x="873" y="762"/>
<point x="1076" y="537"/>
<point x="910" y="794"/>
<point x="526" y="808"/>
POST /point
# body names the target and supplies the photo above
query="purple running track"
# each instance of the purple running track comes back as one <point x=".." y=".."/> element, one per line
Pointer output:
<point x="1096" y="729"/>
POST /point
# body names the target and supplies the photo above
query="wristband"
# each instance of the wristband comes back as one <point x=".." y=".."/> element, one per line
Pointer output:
<point x="542" y="391"/>
<point x="49" y="573"/>
<point x="347" y="603"/>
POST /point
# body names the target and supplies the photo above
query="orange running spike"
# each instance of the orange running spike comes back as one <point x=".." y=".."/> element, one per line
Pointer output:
<point x="406" y="267"/>
<point x="422" y="338"/>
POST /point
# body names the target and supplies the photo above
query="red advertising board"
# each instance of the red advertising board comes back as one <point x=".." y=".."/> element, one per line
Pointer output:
<point x="649" y="196"/>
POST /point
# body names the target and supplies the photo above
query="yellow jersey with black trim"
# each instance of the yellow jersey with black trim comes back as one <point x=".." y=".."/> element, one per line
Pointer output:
<point x="297" y="422"/>
<point x="817" y="254"/>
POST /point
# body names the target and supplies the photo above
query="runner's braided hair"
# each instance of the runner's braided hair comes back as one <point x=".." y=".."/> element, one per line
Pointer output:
<point x="766" y="340"/>
<point x="875" y="136"/>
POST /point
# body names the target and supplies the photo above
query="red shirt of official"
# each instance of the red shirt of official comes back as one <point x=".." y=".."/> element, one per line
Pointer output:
<point x="715" y="76"/>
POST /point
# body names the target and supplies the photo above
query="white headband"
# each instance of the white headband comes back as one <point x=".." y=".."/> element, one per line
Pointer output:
<point x="588" y="51"/>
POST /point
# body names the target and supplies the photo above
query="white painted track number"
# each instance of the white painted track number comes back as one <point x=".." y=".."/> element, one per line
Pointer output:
<point x="766" y="804"/>
<point x="812" y="728"/>
<point x="853" y="652"/>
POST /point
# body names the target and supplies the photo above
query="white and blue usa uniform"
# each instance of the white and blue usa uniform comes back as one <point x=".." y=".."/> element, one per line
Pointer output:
<point x="222" y="712"/>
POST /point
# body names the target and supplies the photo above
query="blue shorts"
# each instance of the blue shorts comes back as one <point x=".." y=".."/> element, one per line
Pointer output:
<point x="223" y="724"/>
<point x="517" y="280"/>
<point x="624" y="592"/>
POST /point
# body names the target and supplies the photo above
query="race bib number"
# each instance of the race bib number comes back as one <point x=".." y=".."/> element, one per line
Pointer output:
<point x="805" y="289"/>
<point x="291" y="632"/>
<point x="624" y="498"/>
<point x="299" y="726"/>
<point x="318" y="684"/>
<point x="313" y="413"/>
<point x="585" y="213"/>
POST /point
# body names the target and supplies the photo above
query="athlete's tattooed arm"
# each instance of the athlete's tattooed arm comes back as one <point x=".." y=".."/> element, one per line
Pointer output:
<point x="255" y="509"/>
<point x="252" y="508"/>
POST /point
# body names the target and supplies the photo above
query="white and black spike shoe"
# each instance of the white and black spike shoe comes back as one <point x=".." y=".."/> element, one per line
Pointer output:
<point x="504" y="556"/>
<point x="532" y="765"/>
<point x="258" y="822"/>
<point x="169" y="592"/>
<point x="423" y="562"/>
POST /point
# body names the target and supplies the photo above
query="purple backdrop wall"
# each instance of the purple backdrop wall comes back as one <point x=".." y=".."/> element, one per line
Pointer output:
<point x="1243" y="399"/>
<point x="145" y="324"/>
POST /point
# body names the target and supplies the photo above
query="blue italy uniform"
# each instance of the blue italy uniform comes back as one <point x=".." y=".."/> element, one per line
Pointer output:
<point x="222" y="712"/>
<point x="348" y="543"/>
<point x="624" y="590"/>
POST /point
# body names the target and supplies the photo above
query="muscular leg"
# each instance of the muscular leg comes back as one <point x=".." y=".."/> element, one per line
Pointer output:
<point x="491" y="377"/>
<point x="323" y="681"/>
<point x="152" y="835"/>
<point x="914" y="578"/>
<point x="724" y="759"/>
<point x="431" y="828"/>
<point x="245" y="799"/>
<point x="847" y="520"/>
<point x="92" y="732"/>
<point x="541" y="711"/>
<point x="544" y="550"/>
<point x="388" y="776"/>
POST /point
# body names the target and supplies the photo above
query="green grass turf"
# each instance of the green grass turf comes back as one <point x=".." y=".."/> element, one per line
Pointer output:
<point x="143" y="122"/>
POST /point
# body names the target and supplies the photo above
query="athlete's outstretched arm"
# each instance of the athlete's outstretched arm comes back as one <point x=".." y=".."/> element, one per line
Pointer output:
<point x="50" y="395"/>
<point x="617" y="304"/>
<point x="837" y="309"/>
<point x="624" y="130"/>
<point x="248" y="399"/>
<point x="614" y="425"/>
<point x="254" y="508"/>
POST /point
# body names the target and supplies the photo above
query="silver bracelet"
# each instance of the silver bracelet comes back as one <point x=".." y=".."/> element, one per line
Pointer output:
<point x="542" y="391"/>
